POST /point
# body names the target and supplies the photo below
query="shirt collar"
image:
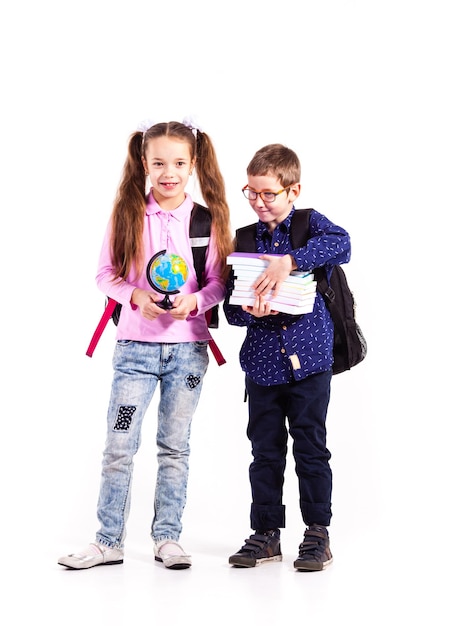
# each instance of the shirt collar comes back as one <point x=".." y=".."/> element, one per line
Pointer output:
<point x="152" y="207"/>
<point x="284" y="227"/>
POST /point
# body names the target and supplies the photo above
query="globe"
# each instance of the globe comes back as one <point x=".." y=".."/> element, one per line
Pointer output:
<point x="166" y="273"/>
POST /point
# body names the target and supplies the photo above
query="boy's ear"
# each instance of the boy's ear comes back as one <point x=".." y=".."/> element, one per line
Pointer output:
<point x="295" y="190"/>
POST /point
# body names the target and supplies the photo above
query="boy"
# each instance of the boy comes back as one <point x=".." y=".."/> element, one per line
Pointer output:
<point x="287" y="360"/>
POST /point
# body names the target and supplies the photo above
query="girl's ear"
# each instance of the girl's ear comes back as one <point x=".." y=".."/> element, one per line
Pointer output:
<point x="143" y="160"/>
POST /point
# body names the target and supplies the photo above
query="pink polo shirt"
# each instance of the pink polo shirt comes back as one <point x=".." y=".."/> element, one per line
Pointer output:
<point x="163" y="230"/>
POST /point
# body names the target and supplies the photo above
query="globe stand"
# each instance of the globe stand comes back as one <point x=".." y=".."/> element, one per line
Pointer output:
<point x="166" y="302"/>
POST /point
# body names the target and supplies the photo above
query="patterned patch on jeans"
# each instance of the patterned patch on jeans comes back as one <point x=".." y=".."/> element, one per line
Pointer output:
<point x="124" y="417"/>
<point x="192" y="381"/>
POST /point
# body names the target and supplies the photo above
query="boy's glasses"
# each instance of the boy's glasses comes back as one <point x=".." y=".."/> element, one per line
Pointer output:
<point x="266" y="196"/>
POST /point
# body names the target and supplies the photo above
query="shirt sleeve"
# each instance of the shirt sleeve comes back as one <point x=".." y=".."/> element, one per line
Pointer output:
<point x="328" y="244"/>
<point x="121" y="290"/>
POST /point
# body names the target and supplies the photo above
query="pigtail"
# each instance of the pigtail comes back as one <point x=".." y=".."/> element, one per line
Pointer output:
<point x="128" y="212"/>
<point x="213" y="191"/>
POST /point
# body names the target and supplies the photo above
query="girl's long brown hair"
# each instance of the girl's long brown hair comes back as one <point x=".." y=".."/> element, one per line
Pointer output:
<point x="130" y="203"/>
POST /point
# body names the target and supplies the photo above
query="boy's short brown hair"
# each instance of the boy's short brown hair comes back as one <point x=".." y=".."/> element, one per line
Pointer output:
<point x="277" y="160"/>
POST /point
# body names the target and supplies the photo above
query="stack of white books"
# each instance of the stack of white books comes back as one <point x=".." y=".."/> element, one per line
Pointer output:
<point x="296" y="295"/>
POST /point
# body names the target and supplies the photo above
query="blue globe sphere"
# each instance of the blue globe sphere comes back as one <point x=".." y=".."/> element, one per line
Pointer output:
<point x="167" y="272"/>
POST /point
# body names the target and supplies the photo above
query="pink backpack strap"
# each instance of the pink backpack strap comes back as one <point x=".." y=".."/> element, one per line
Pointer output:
<point x="104" y="321"/>
<point x="212" y="345"/>
<point x="216" y="352"/>
<point x="101" y="326"/>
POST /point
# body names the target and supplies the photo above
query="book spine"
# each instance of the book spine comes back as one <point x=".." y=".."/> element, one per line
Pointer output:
<point x="286" y="289"/>
<point x="299" y="301"/>
<point x="251" y="274"/>
<point x="251" y="260"/>
<point x="276" y="306"/>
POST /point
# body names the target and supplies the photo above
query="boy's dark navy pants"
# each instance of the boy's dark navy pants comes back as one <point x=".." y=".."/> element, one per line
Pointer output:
<point x="299" y="409"/>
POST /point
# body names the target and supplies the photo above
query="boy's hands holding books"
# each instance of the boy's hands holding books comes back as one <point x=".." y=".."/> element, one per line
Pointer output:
<point x="260" y="308"/>
<point x="278" y="269"/>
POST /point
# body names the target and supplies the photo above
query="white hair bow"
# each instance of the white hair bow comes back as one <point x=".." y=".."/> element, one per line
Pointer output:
<point x="192" y="122"/>
<point x="145" y="125"/>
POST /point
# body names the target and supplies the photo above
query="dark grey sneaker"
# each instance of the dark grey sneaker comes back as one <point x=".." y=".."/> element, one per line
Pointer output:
<point x="315" y="553"/>
<point x="261" y="547"/>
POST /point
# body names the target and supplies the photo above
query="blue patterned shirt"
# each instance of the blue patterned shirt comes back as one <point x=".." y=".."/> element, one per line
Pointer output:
<point x="281" y="348"/>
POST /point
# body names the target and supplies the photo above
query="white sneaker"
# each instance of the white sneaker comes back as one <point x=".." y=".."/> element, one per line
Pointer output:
<point x="171" y="554"/>
<point x="94" y="554"/>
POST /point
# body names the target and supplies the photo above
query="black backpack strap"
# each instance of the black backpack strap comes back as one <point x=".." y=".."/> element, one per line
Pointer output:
<point x="199" y="232"/>
<point x="299" y="235"/>
<point x="245" y="238"/>
<point x="299" y="227"/>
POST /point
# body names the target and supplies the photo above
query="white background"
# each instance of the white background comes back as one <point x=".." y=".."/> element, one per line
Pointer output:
<point x="361" y="91"/>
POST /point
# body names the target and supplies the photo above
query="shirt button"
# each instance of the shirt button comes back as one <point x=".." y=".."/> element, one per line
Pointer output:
<point x="276" y="244"/>
<point x="283" y="350"/>
<point x="284" y="327"/>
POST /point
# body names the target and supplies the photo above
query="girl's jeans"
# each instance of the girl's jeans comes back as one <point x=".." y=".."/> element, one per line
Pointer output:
<point x="138" y="368"/>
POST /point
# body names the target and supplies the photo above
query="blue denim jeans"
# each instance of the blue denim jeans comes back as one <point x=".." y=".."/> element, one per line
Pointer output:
<point x="138" y="368"/>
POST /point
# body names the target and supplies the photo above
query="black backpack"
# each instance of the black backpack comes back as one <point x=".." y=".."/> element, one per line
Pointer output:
<point x="199" y="232"/>
<point x="350" y="346"/>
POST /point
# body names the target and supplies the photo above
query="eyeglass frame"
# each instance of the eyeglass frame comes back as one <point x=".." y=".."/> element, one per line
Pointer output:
<point x="259" y="193"/>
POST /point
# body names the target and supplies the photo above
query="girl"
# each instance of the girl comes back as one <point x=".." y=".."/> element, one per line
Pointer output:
<point x="155" y="344"/>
